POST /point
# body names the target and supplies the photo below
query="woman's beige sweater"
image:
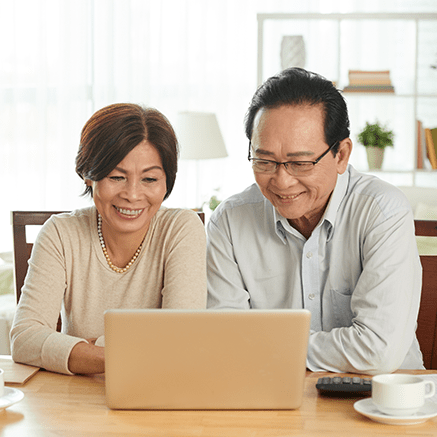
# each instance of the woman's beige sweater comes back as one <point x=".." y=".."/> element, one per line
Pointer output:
<point x="68" y="273"/>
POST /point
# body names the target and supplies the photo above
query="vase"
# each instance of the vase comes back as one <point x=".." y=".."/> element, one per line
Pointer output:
<point x="293" y="51"/>
<point x="375" y="157"/>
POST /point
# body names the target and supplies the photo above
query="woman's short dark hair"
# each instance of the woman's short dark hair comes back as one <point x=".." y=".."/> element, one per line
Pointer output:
<point x="113" y="131"/>
<point x="296" y="86"/>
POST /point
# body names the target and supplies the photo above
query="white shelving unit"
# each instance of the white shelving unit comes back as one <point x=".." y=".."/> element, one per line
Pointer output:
<point x="405" y="44"/>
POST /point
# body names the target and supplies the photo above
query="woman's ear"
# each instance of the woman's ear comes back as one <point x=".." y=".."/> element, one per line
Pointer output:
<point x="343" y="155"/>
<point x="89" y="183"/>
<point x="89" y="187"/>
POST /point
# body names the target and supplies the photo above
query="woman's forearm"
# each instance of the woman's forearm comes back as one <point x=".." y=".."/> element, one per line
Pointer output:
<point x="86" y="358"/>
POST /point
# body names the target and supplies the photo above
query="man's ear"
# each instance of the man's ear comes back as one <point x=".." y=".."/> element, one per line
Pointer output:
<point x="343" y="155"/>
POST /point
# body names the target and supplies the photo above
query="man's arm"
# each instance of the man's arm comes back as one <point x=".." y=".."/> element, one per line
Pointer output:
<point x="226" y="289"/>
<point x="384" y="303"/>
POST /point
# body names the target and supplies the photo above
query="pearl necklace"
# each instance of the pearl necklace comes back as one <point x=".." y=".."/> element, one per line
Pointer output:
<point x="105" y="252"/>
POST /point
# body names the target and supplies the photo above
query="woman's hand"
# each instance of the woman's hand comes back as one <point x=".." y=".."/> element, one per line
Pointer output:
<point x="87" y="358"/>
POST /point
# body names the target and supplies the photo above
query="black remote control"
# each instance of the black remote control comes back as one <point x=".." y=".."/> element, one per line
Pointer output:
<point x="344" y="385"/>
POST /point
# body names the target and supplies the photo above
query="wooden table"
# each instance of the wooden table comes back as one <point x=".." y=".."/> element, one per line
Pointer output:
<point x="60" y="405"/>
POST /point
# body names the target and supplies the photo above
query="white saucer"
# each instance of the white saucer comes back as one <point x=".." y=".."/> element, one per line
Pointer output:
<point x="10" y="397"/>
<point x="369" y="409"/>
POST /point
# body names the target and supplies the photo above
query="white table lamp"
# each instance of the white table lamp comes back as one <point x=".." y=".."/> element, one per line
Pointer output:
<point x="199" y="138"/>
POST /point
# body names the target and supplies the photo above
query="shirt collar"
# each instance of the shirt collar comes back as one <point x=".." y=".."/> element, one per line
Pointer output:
<point x="336" y="197"/>
<point x="334" y="203"/>
<point x="279" y="227"/>
<point x="330" y="212"/>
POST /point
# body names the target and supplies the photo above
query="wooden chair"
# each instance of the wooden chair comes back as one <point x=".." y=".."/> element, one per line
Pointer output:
<point x="23" y="249"/>
<point x="427" y="320"/>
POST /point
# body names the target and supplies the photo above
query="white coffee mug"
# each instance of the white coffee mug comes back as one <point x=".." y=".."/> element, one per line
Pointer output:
<point x="400" y="394"/>
<point x="2" y="382"/>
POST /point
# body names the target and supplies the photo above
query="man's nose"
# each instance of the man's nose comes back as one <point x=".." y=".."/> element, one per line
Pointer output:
<point x="282" y="179"/>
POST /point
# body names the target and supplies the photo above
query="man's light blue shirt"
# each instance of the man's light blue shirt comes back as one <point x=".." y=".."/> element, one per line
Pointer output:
<point x="359" y="273"/>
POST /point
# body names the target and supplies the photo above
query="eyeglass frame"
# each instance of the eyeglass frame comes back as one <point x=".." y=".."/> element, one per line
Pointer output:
<point x="290" y="162"/>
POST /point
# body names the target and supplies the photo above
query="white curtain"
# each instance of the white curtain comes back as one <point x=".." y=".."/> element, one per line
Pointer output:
<point x="61" y="60"/>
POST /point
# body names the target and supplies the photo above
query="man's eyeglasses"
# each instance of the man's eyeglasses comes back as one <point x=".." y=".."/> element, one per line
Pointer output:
<point x="294" y="168"/>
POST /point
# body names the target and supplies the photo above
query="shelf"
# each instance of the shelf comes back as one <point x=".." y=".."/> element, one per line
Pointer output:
<point x="402" y="43"/>
<point x="382" y="94"/>
<point x="351" y="16"/>
<point x="430" y="171"/>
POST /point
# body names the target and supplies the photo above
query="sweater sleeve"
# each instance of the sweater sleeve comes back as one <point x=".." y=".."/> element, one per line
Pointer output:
<point x="34" y="339"/>
<point x="185" y="263"/>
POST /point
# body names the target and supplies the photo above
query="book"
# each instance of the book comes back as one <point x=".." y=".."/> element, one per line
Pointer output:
<point x="359" y="77"/>
<point x="369" y="81"/>
<point x="423" y="161"/>
<point x="369" y="72"/>
<point x="369" y="89"/>
<point x="420" y="144"/>
<point x="431" y="146"/>
<point x="16" y="373"/>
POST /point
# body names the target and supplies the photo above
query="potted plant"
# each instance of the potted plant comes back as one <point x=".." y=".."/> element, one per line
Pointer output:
<point x="375" y="138"/>
<point x="213" y="202"/>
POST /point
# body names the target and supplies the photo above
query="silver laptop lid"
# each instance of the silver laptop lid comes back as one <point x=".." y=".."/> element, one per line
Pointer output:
<point x="205" y="359"/>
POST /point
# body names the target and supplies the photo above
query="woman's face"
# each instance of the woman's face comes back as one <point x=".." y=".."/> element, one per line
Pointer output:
<point x="132" y="193"/>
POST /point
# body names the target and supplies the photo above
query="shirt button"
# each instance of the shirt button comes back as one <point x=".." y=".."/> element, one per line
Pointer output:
<point x="309" y="254"/>
<point x="311" y="296"/>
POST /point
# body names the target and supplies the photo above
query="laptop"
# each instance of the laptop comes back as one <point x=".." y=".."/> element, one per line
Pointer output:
<point x="205" y="359"/>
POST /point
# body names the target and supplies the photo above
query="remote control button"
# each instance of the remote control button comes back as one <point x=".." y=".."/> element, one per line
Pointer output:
<point x="336" y="380"/>
<point x="356" y="380"/>
<point x="347" y="380"/>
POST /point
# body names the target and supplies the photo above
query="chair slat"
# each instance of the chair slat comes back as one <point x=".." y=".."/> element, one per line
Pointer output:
<point x="427" y="319"/>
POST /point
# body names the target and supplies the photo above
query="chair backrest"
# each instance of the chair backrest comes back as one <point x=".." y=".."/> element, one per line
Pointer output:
<point x="23" y="249"/>
<point x="201" y="216"/>
<point x="427" y="320"/>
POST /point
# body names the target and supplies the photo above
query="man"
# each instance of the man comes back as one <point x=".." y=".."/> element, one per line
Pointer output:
<point x="314" y="233"/>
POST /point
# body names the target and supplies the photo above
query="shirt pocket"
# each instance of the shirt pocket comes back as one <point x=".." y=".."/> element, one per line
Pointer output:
<point x="337" y="309"/>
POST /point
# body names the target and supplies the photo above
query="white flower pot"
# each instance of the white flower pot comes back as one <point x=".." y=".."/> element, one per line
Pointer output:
<point x="375" y="157"/>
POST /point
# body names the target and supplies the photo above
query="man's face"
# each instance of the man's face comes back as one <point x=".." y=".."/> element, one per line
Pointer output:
<point x="296" y="133"/>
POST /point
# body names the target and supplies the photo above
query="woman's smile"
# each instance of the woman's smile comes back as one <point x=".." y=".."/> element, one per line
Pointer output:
<point x="131" y="213"/>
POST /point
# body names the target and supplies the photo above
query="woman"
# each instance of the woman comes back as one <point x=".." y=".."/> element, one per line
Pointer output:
<point x="125" y="252"/>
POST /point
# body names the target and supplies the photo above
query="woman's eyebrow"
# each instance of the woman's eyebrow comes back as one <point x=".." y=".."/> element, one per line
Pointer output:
<point x="153" y="167"/>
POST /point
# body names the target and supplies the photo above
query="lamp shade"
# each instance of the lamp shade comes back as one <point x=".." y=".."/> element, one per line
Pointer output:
<point x="199" y="136"/>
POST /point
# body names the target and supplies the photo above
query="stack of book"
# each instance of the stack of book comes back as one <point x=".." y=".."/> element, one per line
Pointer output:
<point x="369" y="82"/>
<point x="426" y="147"/>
